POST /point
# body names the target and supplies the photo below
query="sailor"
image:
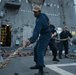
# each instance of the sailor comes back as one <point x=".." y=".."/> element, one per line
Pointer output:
<point x="41" y="31"/>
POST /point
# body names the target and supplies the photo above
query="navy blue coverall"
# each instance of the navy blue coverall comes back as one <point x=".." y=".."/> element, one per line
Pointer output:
<point x="42" y="28"/>
<point x="51" y="43"/>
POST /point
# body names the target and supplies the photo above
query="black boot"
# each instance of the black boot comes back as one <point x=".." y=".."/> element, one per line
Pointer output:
<point x="41" y="72"/>
<point x="66" y="56"/>
<point x="55" y="59"/>
<point x="34" y="67"/>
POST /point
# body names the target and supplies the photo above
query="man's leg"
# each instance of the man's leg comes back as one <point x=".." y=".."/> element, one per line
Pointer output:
<point x="35" y="53"/>
<point x="45" y="52"/>
<point x="66" y="48"/>
<point x="60" y="50"/>
<point x="35" y="57"/>
<point x="54" y="50"/>
<point x="39" y="52"/>
<point x="42" y="45"/>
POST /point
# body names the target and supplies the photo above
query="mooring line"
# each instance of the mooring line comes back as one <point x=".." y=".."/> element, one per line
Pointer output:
<point x="12" y="55"/>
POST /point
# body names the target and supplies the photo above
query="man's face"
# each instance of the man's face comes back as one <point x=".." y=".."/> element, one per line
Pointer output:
<point x="36" y="13"/>
<point x="65" y="28"/>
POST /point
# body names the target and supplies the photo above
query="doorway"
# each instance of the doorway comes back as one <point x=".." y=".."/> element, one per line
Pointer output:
<point x="6" y="35"/>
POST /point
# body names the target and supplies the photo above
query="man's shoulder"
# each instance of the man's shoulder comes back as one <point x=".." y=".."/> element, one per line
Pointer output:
<point x="61" y="32"/>
<point x="51" y="25"/>
<point x="44" y="14"/>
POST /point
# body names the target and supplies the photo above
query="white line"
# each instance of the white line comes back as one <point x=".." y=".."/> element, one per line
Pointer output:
<point x="67" y="64"/>
<point x="55" y="67"/>
<point x="59" y="70"/>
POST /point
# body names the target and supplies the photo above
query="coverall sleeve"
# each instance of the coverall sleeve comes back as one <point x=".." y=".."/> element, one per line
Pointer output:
<point x="70" y="35"/>
<point x="36" y="31"/>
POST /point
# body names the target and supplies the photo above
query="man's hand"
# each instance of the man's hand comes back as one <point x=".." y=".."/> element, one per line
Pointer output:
<point x="54" y="34"/>
<point x="28" y="43"/>
<point x="70" y="41"/>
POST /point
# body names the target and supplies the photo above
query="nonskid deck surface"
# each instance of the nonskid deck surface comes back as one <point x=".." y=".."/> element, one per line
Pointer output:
<point x="20" y="65"/>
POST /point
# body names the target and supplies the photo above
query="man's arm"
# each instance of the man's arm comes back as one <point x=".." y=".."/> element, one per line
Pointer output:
<point x="69" y="34"/>
<point x="36" y="32"/>
<point x="54" y="34"/>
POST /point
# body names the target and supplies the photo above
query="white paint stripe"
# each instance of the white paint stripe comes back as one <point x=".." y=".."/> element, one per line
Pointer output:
<point x="55" y="67"/>
<point x="59" y="70"/>
<point x="68" y="64"/>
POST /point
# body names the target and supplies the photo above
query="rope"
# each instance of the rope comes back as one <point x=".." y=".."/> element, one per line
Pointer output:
<point x="12" y="55"/>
